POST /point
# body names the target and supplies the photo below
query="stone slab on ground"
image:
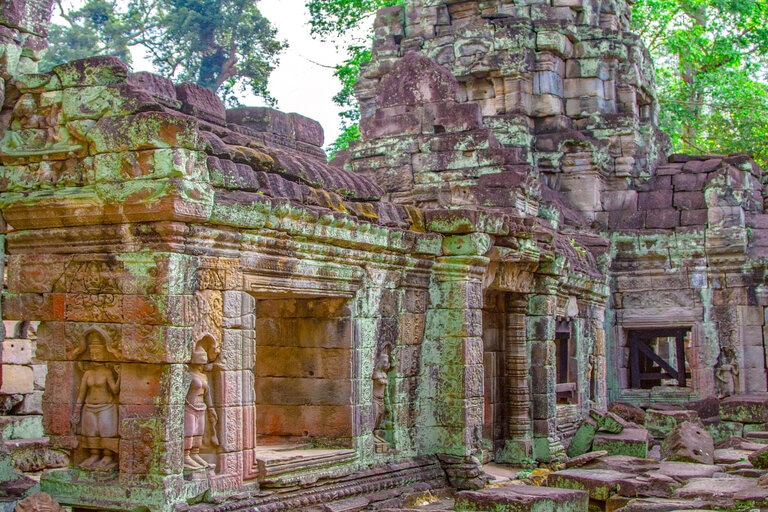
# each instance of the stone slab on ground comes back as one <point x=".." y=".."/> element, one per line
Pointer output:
<point x="651" y="484"/>
<point x="625" y="463"/>
<point x="523" y="498"/>
<point x="720" y="492"/>
<point x="630" y="441"/>
<point x="663" y="505"/>
<point x="759" y="436"/>
<point x="599" y="483"/>
<point x="731" y="455"/>
<point x="685" y="471"/>
<point x="661" y="423"/>
<point x="745" y="408"/>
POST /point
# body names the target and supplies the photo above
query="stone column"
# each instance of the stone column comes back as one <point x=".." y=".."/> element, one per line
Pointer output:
<point x="540" y="327"/>
<point x="518" y="444"/>
<point x="451" y="389"/>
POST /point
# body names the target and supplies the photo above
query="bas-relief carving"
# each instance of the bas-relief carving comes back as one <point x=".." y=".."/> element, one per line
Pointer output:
<point x="200" y="417"/>
<point x="380" y="406"/>
<point x="209" y="317"/>
<point x="95" y="417"/>
<point x="35" y="130"/>
<point x="727" y="373"/>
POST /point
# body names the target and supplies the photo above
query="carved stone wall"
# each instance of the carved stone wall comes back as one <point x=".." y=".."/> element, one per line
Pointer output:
<point x="226" y="317"/>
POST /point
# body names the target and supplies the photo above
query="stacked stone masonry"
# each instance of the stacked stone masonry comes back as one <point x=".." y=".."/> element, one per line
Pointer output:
<point x="230" y="322"/>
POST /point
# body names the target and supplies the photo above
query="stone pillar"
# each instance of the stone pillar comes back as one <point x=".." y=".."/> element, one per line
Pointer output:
<point x="233" y="392"/>
<point x="451" y="393"/>
<point x="540" y="327"/>
<point x="518" y="444"/>
<point x="23" y="29"/>
<point x="599" y="377"/>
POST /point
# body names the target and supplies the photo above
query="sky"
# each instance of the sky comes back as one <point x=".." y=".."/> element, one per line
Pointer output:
<point x="304" y="81"/>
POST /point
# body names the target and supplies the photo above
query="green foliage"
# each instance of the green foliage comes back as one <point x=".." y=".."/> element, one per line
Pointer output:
<point x="711" y="60"/>
<point x="228" y="47"/>
<point x="349" y="134"/>
<point x="334" y="20"/>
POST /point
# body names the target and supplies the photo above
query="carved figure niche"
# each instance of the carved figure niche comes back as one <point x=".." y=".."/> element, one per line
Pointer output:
<point x="381" y="400"/>
<point x="95" y="415"/>
<point x="200" y="417"/>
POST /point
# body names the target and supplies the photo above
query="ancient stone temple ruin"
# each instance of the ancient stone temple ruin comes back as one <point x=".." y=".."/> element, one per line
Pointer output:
<point x="229" y="322"/>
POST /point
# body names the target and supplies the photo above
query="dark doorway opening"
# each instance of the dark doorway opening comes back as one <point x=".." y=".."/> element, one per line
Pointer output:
<point x="657" y="357"/>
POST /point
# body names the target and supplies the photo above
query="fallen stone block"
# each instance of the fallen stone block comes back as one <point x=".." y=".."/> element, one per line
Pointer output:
<point x="630" y="441"/>
<point x="625" y="463"/>
<point x="599" y="483"/>
<point x="689" y="442"/>
<point x="686" y="471"/>
<point x="649" y="484"/>
<point x="721" y="430"/>
<point x="662" y="505"/>
<point x="661" y="423"/>
<point x="739" y="443"/>
<point x="628" y="412"/>
<point x="759" y="458"/>
<point x="39" y="502"/>
<point x="728" y="456"/>
<point x="719" y="492"/>
<point x="523" y="498"/>
<point x="760" y="436"/>
<point x="745" y="408"/>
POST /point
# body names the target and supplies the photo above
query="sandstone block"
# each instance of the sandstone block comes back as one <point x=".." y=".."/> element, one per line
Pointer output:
<point x="16" y="379"/>
<point x="662" y="423"/>
<point x="21" y="427"/>
<point x="745" y="408"/>
<point x="666" y="218"/>
<point x="32" y="404"/>
<point x="201" y="102"/>
<point x="630" y="441"/>
<point x="523" y="499"/>
<point x="102" y="70"/>
<point x="16" y="351"/>
<point x="689" y="442"/>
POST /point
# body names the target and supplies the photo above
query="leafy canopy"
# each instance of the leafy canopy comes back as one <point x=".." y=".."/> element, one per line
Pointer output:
<point x="228" y="47"/>
<point x="711" y="60"/>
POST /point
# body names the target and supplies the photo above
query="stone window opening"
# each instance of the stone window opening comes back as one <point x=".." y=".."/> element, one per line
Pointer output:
<point x="566" y="364"/>
<point x="304" y="375"/>
<point x="657" y="357"/>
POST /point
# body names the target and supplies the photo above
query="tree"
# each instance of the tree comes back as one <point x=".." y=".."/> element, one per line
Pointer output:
<point x="334" y="20"/>
<point x="711" y="60"/>
<point x="228" y="47"/>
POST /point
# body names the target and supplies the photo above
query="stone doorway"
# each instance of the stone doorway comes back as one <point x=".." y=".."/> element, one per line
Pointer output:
<point x="506" y="362"/>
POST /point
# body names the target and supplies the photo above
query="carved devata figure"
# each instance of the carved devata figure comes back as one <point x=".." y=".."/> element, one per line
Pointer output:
<point x="382" y="365"/>
<point x="727" y="373"/>
<point x="96" y="412"/>
<point x="198" y="411"/>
